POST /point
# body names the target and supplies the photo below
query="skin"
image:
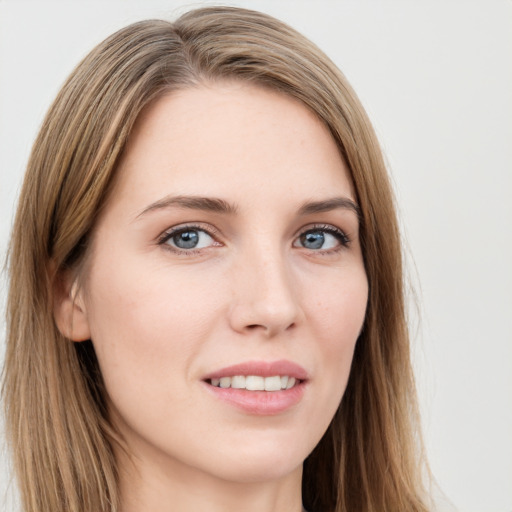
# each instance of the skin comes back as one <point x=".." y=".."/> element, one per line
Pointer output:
<point x="162" y="318"/>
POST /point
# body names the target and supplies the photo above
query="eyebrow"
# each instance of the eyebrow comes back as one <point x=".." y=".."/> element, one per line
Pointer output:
<point x="216" y="205"/>
<point x="208" y="204"/>
<point x="330" y="204"/>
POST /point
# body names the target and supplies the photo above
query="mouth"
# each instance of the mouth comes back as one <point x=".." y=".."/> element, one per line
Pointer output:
<point x="259" y="388"/>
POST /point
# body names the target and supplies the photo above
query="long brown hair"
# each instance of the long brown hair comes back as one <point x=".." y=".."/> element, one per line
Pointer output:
<point x="370" y="457"/>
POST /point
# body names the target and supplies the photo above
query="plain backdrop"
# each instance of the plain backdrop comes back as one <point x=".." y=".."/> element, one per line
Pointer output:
<point x="436" y="79"/>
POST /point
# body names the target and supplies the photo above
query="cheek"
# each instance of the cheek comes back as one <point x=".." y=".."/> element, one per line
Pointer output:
<point x="337" y="317"/>
<point x="147" y="324"/>
<point x="339" y="309"/>
<point x="148" y="327"/>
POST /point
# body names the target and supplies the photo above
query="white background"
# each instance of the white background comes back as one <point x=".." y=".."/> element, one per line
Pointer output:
<point x="436" y="79"/>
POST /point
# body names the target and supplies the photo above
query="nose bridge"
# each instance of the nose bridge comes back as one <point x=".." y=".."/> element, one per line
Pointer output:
<point x="265" y="297"/>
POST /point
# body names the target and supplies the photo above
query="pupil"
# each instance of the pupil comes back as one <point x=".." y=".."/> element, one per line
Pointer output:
<point x="313" y="240"/>
<point x="186" y="239"/>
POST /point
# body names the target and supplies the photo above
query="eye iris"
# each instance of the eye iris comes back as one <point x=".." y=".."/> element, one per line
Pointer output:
<point x="186" y="239"/>
<point x="313" y="240"/>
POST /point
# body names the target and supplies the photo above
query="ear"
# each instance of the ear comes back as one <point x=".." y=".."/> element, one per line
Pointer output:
<point x="69" y="308"/>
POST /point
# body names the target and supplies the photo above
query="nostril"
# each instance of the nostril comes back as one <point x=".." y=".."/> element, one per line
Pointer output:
<point x="268" y="329"/>
<point x="264" y="316"/>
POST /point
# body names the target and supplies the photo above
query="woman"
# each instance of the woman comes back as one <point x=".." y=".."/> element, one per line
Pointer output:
<point x="206" y="306"/>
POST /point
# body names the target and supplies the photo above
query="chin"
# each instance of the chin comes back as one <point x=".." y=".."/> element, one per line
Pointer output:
<point x="257" y="471"/>
<point x="258" y="462"/>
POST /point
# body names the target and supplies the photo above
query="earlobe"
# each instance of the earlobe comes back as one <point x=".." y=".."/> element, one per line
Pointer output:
<point x="69" y="309"/>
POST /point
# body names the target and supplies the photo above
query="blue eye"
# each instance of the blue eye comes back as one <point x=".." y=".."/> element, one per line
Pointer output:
<point x="188" y="238"/>
<point x="324" y="238"/>
<point x="313" y="240"/>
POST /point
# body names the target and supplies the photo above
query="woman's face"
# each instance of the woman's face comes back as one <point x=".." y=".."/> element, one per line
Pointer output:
<point x="226" y="259"/>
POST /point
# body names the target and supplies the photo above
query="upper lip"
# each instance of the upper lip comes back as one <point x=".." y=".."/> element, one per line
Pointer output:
<point x="262" y="369"/>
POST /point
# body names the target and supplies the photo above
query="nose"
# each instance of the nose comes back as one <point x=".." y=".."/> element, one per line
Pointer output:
<point x="265" y="295"/>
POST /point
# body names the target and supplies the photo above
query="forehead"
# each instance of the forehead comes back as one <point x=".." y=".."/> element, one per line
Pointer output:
<point x="230" y="139"/>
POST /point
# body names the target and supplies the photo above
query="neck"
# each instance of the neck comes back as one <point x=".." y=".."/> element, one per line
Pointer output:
<point x="148" y="486"/>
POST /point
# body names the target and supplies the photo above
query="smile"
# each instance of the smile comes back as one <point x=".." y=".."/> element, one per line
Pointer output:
<point x="260" y="388"/>
<point x="255" y="382"/>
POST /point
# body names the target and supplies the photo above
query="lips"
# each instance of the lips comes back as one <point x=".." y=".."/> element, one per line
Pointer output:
<point x="262" y="369"/>
<point x="259" y="387"/>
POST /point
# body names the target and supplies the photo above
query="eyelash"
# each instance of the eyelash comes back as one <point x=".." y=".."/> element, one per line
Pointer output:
<point x="167" y="235"/>
<point x="340" y="235"/>
<point x="337" y="233"/>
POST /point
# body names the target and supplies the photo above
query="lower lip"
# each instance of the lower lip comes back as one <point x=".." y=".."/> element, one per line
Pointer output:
<point x="260" y="402"/>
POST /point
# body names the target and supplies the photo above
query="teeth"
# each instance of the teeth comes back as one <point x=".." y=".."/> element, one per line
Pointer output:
<point x="225" y="382"/>
<point x="255" y="382"/>
<point x="238" y="382"/>
<point x="273" y="383"/>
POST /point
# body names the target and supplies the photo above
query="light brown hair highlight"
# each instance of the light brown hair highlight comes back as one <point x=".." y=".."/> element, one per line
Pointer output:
<point x="57" y="422"/>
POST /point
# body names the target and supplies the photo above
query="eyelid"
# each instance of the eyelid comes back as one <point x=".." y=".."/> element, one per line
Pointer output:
<point x="198" y="226"/>
<point x="341" y="234"/>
